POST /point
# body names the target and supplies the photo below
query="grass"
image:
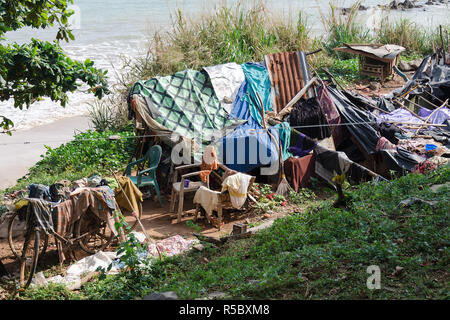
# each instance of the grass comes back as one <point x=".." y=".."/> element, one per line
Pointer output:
<point x="320" y="254"/>
<point x="341" y="29"/>
<point x="324" y="253"/>
<point x="416" y="39"/>
<point x="230" y="34"/>
<point x="243" y="34"/>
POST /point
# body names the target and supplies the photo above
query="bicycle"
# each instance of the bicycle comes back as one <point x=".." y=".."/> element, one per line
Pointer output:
<point x="89" y="232"/>
<point x="17" y="247"/>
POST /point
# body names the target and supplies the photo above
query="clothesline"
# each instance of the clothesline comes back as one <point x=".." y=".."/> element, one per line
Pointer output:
<point x="116" y="137"/>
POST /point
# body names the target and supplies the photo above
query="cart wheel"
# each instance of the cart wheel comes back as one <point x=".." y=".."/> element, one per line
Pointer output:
<point x="17" y="246"/>
<point x="94" y="235"/>
<point x="134" y="221"/>
<point x="29" y="258"/>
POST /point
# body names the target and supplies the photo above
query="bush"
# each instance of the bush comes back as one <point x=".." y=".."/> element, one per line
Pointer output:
<point x="341" y="29"/>
<point x="233" y="34"/>
<point x="110" y="113"/>
<point x="416" y="39"/>
<point x="89" y="150"/>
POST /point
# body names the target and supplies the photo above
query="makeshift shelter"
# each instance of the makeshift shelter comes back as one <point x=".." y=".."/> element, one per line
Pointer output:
<point x="235" y="107"/>
<point x="219" y="105"/>
<point x="375" y="59"/>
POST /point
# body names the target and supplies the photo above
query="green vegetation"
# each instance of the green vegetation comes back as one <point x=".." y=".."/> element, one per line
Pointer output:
<point x="342" y="29"/>
<point x="242" y="34"/>
<point x="226" y="35"/>
<point x="90" y="152"/>
<point x="416" y="39"/>
<point x="194" y="226"/>
<point x="39" y="69"/>
<point x="320" y="254"/>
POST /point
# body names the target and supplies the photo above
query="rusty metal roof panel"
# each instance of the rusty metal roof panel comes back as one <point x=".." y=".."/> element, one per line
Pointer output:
<point x="288" y="72"/>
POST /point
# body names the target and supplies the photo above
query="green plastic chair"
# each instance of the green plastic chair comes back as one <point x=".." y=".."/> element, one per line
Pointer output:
<point x="147" y="177"/>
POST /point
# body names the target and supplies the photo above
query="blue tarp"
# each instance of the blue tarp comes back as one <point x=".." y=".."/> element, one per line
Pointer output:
<point x="251" y="137"/>
<point x="258" y="81"/>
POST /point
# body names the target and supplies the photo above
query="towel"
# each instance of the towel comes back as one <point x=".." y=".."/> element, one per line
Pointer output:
<point x="237" y="186"/>
<point x="207" y="198"/>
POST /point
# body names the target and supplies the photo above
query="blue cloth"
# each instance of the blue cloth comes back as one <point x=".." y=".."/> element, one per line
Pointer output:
<point x="249" y="146"/>
<point x="298" y="150"/>
<point x="258" y="81"/>
<point x="284" y="131"/>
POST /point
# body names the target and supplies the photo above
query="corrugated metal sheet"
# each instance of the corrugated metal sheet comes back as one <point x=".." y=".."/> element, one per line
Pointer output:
<point x="289" y="72"/>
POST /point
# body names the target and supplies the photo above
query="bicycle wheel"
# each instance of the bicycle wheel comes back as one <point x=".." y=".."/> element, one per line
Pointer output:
<point x="29" y="259"/>
<point x="17" y="245"/>
<point x="130" y="219"/>
<point x="94" y="235"/>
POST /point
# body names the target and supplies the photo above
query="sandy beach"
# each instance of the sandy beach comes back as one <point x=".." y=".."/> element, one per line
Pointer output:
<point x="22" y="150"/>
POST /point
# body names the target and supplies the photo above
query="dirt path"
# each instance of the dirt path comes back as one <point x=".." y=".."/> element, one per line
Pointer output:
<point x="23" y="149"/>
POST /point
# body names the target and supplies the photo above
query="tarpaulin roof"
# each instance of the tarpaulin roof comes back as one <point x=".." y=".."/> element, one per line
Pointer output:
<point x="192" y="104"/>
<point x="431" y="77"/>
<point x="186" y="103"/>
<point x="357" y="119"/>
<point x="226" y="80"/>
<point x="249" y="146"/>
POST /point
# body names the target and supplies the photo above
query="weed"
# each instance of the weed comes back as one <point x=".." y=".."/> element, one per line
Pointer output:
<point x="194" y="226"/>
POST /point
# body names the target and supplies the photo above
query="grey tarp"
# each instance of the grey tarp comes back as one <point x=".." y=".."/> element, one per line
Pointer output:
<point x="431" y="77"/>
<point x="358" y="121"/>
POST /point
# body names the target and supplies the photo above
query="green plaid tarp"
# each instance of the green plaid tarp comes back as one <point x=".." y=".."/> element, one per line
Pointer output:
<point x="185" y="103"/>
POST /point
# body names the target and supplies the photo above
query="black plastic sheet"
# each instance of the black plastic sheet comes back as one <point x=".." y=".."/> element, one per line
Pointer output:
<point x="359" y="121"/>
<point x="402" y="162"/>
<point x="432" y="78"/>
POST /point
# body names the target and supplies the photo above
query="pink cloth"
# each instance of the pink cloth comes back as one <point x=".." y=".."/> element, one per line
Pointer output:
<point x="171" y="246"/>
<point x="385" y="144"/>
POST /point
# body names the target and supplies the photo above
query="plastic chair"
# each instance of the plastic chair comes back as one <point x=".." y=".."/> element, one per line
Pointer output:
<point x="147" y="177"/>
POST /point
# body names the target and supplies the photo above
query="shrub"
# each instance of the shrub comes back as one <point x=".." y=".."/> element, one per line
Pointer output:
<point x="89" y="150"/>
<point x="416" y="39"/>
<point x="342" y="28"/>
<point x="233" y="34"/>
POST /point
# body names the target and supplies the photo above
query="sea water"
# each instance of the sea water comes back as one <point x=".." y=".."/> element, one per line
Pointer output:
<point x="106" y="31"/>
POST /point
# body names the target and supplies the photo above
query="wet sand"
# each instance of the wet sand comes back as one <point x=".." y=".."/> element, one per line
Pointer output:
<point x="22" y="150"/>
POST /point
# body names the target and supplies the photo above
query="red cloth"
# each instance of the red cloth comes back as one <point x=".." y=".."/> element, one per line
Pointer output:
<point x="299" y="170"/>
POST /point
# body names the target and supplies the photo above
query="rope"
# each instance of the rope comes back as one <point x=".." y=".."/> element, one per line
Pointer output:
<point x="169" y="134"/>
<point x="112" y="138"/>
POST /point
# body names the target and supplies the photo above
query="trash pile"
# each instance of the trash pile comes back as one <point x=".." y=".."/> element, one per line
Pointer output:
<point x="278" y="111"/>
<point x="67" y="210"/>
<point x="82" y="270"/>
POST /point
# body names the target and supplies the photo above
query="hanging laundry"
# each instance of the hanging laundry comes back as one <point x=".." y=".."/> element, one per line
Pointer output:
<point x="303" y="147"/>
<point x="207" y="198"/>
<point x="309" y="113"/>
<point x="209" y="162"/>
<point x="237" y="186"/>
